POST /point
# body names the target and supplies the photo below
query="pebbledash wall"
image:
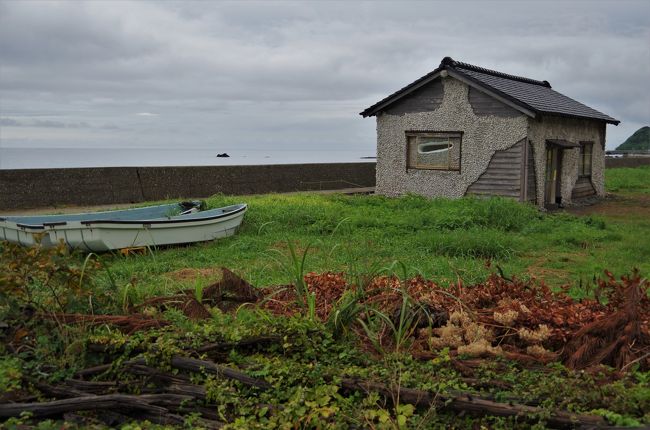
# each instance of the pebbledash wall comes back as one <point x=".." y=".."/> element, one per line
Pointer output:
<point x="573" y="130"/>
<point x="483" y="135"/>
<point x="34" y="188"/>
<point x="488" y="126"/>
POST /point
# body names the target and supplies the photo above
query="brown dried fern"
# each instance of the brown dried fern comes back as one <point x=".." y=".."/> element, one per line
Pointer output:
<point x="616" y="338"/>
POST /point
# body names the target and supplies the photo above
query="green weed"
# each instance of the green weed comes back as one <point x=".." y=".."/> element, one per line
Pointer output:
<point x="471" y="243"/>
<point x="360" y="234"/>
<point x="628" y="179"/>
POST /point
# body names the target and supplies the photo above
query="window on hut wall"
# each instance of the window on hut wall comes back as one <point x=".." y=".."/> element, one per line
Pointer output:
<point x="433" y="150"/>
<point x="584" y="161"/>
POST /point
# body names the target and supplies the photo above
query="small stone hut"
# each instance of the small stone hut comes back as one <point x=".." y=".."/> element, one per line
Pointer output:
<point x="463" y="129"/>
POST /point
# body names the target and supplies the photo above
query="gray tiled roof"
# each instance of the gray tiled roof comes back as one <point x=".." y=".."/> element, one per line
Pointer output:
<point x="530" y="94"/>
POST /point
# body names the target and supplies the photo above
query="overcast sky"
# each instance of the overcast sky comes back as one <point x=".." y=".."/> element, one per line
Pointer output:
<point x="291" y="75"/>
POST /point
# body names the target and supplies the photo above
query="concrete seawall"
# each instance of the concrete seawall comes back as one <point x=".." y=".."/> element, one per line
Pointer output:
<point x="627" y="162"/>
<point x="38" y="188"/>
<point x="34" y="188"/>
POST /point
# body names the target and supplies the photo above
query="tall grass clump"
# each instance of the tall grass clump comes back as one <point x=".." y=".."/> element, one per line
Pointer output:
<point x="474" y="242"/>
<point x="628" y="179"/>
<point x="503" y="213"/>
<point x="414" y="213"/>
<point x="570" y="231"/>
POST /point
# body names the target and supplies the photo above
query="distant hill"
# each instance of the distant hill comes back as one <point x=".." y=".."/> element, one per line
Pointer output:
<point x="640" y="140"/>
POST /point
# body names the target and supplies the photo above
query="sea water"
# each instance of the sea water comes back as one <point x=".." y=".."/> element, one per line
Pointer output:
<point x="42" y="158"/>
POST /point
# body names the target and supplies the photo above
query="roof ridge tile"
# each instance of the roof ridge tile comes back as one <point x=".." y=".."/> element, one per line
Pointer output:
<point x="448" y="61"/>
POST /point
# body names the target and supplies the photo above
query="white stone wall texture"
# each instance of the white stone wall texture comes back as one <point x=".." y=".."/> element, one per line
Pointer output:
<point x="573" y="130"/>
<point x="482" y="137"/>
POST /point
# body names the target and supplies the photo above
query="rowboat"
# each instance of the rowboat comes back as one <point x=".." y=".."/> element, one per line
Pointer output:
<point x="149" y="226"/>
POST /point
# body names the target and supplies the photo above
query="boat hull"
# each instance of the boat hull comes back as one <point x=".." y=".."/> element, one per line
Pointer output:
<point x="106" y="235"/>
<point x="25" y="236"/>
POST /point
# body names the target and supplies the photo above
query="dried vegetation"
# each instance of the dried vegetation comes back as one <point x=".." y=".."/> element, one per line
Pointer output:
<point x="517" y="319"/>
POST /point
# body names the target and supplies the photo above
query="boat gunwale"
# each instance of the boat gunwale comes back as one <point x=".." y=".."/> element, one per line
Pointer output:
<point x="19" y="220"/>
<point x="32" y="226"/>
<point x="243" y="207"/>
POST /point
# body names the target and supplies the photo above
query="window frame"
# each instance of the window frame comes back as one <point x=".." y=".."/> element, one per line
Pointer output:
<point x="582" y="156"/>
<point x="436" y="134"/>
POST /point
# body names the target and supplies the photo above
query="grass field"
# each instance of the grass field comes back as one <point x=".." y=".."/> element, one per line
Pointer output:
<point x="440" y="239"/>
<point x="628" y="179"/>
<point x="309" y="363"/>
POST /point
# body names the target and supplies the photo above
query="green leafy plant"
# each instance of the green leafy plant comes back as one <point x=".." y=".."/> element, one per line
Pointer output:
<point x="401" y="326"/>
<point x="294" y="266"/>
<point x="311" y="306"/>
<point x="346" y="311"/>
<point x="48" y="279"/>
<point x="198" y="290"/>
<point x="10" y="374"/>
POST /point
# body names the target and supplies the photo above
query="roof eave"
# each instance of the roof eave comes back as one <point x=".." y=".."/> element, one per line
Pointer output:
<point x="566" y="115"/>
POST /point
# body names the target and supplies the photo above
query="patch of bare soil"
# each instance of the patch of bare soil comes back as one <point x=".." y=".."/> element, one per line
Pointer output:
<point x="189" y="274"/>
<point x="616" y="206"/>
<point x="227" y="294"/>
<point x="540" y="269"/>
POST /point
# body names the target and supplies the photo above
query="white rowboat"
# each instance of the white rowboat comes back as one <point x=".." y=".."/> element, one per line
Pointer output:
<point x="104" y="231"/>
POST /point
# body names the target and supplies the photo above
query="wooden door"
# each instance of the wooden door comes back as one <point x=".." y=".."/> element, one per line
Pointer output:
<point x="552" y="185"/>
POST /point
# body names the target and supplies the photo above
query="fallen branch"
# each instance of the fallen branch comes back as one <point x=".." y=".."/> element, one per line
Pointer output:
<point x="153" y="406"/>
<point x="59" y="392"/>
<point x="475" y="405"/>
<point x="126" y="323"/>
<point x="91" y="387"/>
<point x="196" y="365"/>
<point x="91" y="371"/>
<point x="174" y="384"/>
<point x="155" y="375"/>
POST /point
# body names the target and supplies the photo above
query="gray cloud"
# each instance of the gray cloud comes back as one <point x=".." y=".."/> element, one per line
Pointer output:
<point x="8" y="122"/>
<point x="47" y="123"/>
<point x="294" y="74"/>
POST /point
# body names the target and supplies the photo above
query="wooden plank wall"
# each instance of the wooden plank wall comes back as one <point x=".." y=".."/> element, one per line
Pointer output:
<point x="425" y="99"/>
<point x="503" y="175"/>
<point x="482" y="104"/>
<point x="583" y="188"/>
